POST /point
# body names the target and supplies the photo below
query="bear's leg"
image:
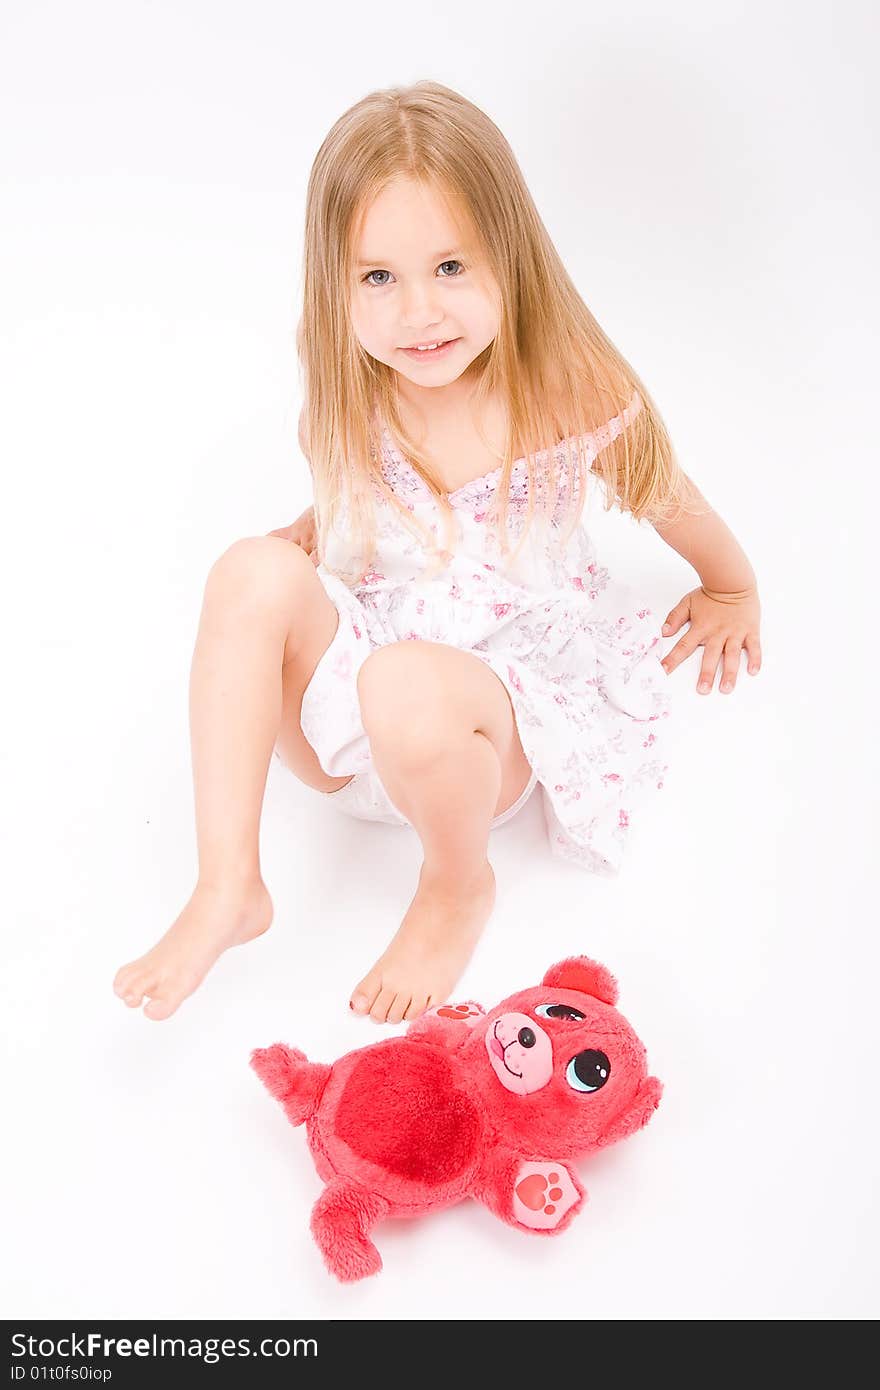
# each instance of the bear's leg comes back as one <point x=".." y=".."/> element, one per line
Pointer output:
<point x="291" y="1078"/>
<point x="341" y="1219"/>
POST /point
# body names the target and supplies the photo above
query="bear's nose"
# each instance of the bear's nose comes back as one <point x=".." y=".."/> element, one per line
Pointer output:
<point x="526" y="1037"/>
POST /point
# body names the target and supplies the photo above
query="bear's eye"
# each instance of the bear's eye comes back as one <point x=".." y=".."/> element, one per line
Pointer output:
<point x="557" y="1011"/>
<point x="588" y="1071"/>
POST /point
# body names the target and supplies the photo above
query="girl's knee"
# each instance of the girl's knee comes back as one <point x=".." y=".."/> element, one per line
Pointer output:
<point x="392" y="684"/>
<point x="431" y="688"/>
<point x="261" y="567"/>
<point x="408" y="706"/>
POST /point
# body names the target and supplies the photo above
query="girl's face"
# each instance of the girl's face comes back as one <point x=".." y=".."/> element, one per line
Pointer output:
<point x="414" y="282"/>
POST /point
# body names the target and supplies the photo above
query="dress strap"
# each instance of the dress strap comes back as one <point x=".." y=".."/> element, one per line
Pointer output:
<point x="600" y="438"/>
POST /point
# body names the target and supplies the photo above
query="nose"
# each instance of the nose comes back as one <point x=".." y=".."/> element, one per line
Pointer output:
<point x="520" y="1053"/>
<point x="419" y="313"/>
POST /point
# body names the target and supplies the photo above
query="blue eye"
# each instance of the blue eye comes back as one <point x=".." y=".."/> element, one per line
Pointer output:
<point x="588" y="1071"/>
<point x="557" y="1011"/>
<point x="368" y="278"/>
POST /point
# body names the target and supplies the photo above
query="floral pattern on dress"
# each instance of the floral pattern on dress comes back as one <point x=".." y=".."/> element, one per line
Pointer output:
<point x="578" y="653"/>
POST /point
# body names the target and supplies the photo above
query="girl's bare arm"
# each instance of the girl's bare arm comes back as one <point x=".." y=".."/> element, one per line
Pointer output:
<point x="707" y="543"/>
<point x="302" y="531"/>
<point x="724" y="612"/>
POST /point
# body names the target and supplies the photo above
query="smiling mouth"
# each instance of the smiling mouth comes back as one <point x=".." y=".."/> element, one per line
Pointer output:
<point x="498" y="1049"/>
<point x="419" y="347"/>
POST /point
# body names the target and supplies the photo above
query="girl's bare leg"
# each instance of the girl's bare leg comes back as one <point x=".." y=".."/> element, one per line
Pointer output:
<point x="445" y="743"/>
<point x="266" y="621"/>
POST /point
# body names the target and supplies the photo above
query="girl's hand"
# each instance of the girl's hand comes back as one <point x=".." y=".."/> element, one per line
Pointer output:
<point x="723" y="624"/>
<point x="302" y="532"/>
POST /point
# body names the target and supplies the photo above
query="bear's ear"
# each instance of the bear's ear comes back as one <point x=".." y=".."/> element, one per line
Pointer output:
<point x="588" y="976"/>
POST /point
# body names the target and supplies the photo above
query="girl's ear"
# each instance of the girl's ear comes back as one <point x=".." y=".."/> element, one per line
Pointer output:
<point x="585" y="975"/>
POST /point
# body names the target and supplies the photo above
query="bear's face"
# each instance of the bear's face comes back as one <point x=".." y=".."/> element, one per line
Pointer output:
<point x="564" y="1065"/>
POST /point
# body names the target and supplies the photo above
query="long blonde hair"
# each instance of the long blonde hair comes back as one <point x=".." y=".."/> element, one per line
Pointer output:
<point x="558" y="373"/>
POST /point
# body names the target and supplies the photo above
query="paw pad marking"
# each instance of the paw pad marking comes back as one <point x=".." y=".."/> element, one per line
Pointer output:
<point x="533" y="1193"/>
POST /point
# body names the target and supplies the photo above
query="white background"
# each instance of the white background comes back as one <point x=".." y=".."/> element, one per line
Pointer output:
<point x="707" y="175"/>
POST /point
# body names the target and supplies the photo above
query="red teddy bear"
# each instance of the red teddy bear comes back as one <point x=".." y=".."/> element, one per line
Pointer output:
<point x="467" y="1104"/>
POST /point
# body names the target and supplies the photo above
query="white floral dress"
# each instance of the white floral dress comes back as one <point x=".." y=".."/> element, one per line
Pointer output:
<point x="578" y="654"/>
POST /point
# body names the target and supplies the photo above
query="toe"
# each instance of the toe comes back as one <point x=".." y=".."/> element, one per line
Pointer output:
<point x="161" y="1005"/>
<point x="384" y="1001"/>
<point x="128" y="987"/>
<point x="415" y="1008"/>
<point x="365" y="994"/>
<point x="399" y="1007"/>
<point x="122" y="981"/>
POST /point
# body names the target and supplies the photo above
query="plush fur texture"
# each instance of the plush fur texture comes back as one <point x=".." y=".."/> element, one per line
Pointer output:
<point x="492" y="1106"/>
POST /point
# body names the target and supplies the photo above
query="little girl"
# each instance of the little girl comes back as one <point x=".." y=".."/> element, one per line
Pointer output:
<point x="402" y="657"/>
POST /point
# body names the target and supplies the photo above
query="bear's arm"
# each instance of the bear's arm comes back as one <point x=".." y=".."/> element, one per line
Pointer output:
<point x="447" y="1025"/>
<point x="538" y="1195"/>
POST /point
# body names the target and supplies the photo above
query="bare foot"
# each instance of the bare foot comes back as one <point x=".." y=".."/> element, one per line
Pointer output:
<point x="433" y="945"/>
<point x="213" y="919"/>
